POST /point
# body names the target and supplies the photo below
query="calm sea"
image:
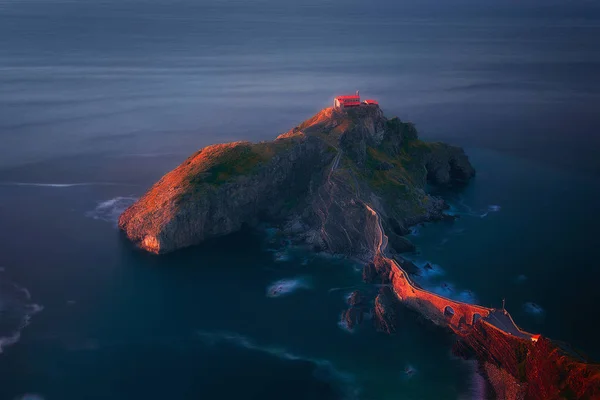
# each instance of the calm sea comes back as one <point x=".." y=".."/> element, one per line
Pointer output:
<point x="98" y="99"/>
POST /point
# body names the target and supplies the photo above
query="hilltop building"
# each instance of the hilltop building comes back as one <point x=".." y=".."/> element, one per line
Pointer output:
<point x="351" y="101"/>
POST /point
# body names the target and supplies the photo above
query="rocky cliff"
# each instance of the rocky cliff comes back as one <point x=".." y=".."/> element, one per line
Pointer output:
<point x="522" y="369"/>
<point x="314" y="180"/>
<point x="349" y="182"/>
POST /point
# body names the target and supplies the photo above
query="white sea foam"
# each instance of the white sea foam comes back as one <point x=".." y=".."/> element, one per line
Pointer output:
<point x="325" y="370"/>
<point x="281" y="256"/>
<point x="284" y="287"/>
<point x="429" y="269"/>
<point x="533" y="308"/>
<point x="492" y="208"/>
<point x="467" y="296"/>
<point x="110" y="210"/>
<point x="428" y="278"/>
<point x="16" y="310"/>
<point x="445" y="289"/>
<point x="409" y="372"/>
<point x="62" y="185"/>
<point x="464" y="209"/>
<point x="9" y="340"/>
<point x="335" y="289"/>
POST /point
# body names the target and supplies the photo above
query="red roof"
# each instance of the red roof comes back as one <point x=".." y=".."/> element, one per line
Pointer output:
<point x="371" y="101"/>
<point x="353" y="96"/>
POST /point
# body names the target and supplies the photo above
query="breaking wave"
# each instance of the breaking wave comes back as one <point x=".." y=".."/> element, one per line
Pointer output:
<point x="461" y="208"/>
<point x="62" y="185"/>
<point x="429" y="276"/>
<point x="284" y="287"/>
<point x="324" y="369"/>
<point x="110" y="210"/>
<point x="16" y="310"/>
<point x="281" y="256"/>
<point x="492" y="208"/>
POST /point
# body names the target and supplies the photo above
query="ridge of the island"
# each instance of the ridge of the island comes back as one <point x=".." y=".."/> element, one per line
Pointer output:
<point x="351" y="181"/>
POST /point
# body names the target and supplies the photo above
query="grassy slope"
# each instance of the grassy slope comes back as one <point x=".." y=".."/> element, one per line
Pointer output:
<point x="396" y="185"/>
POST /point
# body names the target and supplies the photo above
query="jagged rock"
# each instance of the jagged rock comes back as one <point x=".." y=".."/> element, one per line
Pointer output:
<point x="369" y="273"/>
<point x="323" y="178"/>
<point x="386" y="314"/>
<point x="398" y="228"/>
<point x="376" y="273"/>
<point x="524" y="369"/>
<point x="448" y="165"/>
<point x="223" y="187"/>
<point x="355" y="313"/>
<point x="400" y="244"/>
<point x="407" y="265"/>
<point x="356" y="299"/>
<point x="353" y="316"/>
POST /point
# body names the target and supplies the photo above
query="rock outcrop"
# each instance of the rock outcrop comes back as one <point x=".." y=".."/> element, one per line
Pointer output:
<point x="350" y="182"/>
<point x="355" y="313"/>
<point x="314" y="179"/>
<point x="522" y="369"/>
<point x="385" y="311"/>
<point x="222" y="187"/>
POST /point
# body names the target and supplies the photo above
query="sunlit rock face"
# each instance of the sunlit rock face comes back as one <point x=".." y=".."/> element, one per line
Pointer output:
<point x="316" y="178"/>
<point x="525" y="369"/>
<point x="221" y="188"/>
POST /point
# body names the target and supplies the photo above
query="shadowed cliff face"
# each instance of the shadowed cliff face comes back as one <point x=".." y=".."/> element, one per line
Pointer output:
<point x="313" y="179"/>
<point x="522" y="369"/>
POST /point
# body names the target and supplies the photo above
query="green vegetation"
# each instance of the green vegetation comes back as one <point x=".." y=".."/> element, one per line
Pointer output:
<point x="222" y="165"/>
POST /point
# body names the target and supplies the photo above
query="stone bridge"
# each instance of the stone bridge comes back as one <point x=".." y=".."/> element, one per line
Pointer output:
<point x="459" y="316"/>
<point x="442" y="310"/>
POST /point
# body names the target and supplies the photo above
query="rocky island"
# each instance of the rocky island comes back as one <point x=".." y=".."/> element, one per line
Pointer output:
<point x="351" y="181"/>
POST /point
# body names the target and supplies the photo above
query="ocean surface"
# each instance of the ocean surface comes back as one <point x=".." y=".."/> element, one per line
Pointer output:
<point x="98" y="99"/>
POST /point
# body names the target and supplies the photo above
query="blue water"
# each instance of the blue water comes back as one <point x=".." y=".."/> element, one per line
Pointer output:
<point x="111" y="95"/>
